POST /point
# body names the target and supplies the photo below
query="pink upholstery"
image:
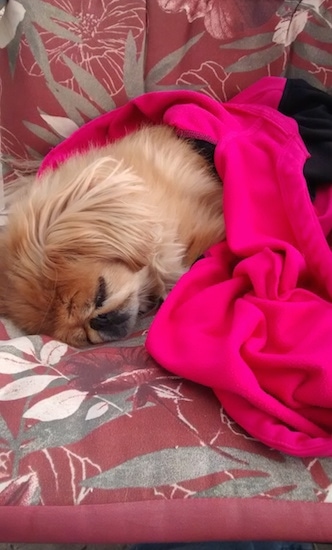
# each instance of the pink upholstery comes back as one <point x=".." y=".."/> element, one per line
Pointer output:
<point x="104" y="445"/>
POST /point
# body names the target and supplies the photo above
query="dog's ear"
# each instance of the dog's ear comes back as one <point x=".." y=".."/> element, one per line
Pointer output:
<point x="133" y="245"/>
<point x="92" y="208"/>
<point x="134" y="257"/>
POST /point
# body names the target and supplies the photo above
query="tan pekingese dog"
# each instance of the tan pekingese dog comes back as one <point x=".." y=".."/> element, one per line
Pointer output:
<point x="92" y="243"/>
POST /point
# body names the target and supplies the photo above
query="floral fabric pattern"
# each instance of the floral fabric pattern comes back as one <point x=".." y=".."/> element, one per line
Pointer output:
<point x="107" y="424"/>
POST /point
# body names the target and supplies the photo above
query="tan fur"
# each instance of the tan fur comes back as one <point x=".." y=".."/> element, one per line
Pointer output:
<point x="130" y="217"/>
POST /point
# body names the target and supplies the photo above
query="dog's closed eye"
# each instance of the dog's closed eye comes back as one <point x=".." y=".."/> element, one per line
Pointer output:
<point x="101" y="293"/>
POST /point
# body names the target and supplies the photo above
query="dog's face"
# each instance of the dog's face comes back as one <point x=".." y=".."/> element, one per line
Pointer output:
<point x="92" y="303"/>
<point x="76" y="257"/>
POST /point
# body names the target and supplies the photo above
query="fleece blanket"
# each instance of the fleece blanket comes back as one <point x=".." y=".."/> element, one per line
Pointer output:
<point x="253" y="318"/>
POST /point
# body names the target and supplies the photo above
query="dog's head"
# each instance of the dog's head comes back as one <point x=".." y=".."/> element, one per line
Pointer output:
<point x="77" y="253"/>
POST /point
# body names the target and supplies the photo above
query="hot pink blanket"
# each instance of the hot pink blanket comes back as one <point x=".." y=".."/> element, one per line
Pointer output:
<point x="253" y="319"/>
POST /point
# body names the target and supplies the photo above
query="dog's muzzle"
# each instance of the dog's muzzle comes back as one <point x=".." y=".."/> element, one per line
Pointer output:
<point x="113" y="324"/>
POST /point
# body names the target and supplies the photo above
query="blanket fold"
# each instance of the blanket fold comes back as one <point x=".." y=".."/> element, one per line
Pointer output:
<point x="253" y="319"/>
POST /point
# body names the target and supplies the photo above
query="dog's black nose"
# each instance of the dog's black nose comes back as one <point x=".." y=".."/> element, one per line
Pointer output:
<point x="113" y="323"/>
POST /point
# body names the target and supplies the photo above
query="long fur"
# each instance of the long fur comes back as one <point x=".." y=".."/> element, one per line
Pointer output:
<point x="90" y="244"/>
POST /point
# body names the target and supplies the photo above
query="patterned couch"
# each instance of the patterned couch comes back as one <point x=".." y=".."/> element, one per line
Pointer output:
<point x="102" y="444"/>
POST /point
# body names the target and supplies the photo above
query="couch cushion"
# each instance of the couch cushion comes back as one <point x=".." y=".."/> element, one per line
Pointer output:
<point x="104" y="445"/>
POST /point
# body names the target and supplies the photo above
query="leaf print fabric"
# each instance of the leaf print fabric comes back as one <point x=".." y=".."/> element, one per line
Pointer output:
<point x="227" y="19"/>
<point x="102" y="441"/>
<point x="92" y="36"/>
<point x="9" y="22"/>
